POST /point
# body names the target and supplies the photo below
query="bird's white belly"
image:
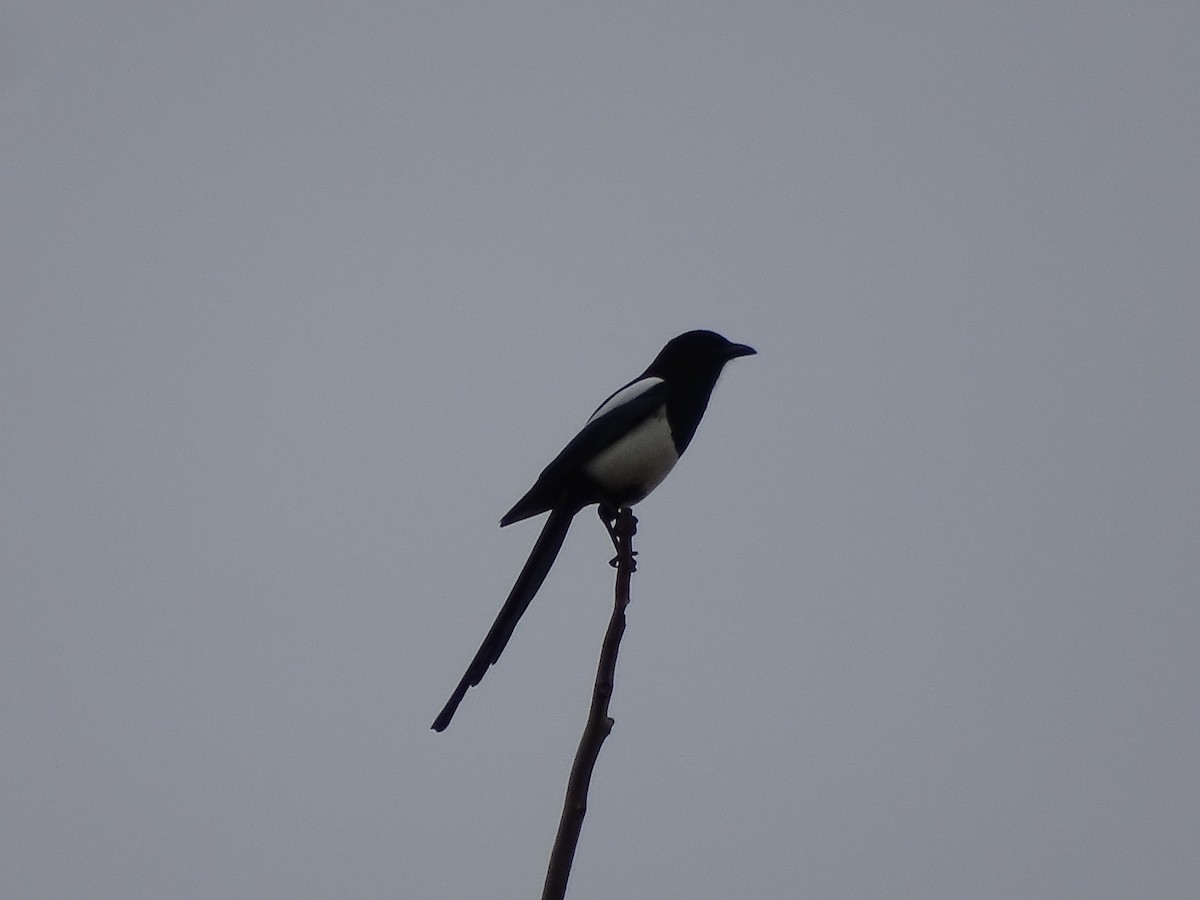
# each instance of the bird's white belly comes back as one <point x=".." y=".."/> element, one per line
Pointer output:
<point x="635" y="465"/>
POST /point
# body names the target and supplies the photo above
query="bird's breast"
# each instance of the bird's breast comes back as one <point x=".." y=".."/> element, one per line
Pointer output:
<point x="633" y="466"/>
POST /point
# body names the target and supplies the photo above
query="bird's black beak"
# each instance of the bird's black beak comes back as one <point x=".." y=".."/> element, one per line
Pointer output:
<point x="733" y="351"/>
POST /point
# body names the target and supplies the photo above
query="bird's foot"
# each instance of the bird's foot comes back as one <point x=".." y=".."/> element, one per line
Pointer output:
<point x="609" y="516"/>
<point x="616" y="561"/>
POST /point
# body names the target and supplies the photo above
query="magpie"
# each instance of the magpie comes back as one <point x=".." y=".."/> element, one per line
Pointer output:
<point x="624" y="451"/>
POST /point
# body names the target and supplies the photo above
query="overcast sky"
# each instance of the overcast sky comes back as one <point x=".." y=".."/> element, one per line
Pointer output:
<point x="298" y="299"/>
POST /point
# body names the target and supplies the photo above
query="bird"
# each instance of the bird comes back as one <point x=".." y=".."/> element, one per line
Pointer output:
<point x="624" y="451"/>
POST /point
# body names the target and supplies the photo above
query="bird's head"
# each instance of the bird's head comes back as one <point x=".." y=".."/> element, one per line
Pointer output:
<point x="697" y="351"/>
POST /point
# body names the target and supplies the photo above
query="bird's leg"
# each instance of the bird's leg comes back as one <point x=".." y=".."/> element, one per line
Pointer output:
<point x="608" y="515"/>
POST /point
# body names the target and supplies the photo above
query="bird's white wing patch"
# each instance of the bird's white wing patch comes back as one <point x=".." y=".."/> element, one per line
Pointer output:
<point x="624" y="395"/>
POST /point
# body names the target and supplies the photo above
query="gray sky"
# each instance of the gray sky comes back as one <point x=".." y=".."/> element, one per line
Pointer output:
<point x="299" y="298"/>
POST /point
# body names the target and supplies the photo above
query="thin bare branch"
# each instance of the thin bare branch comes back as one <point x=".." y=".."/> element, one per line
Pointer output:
<point x="598" y="724"/>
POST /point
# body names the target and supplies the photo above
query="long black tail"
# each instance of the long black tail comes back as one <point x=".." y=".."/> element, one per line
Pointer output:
<point x="549" y="542"/>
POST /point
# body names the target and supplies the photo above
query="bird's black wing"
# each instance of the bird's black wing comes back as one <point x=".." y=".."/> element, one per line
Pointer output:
<point x="565" y="472"/>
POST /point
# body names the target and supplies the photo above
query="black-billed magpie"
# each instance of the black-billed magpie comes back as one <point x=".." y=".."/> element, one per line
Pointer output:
<point x="625" y="450"/>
